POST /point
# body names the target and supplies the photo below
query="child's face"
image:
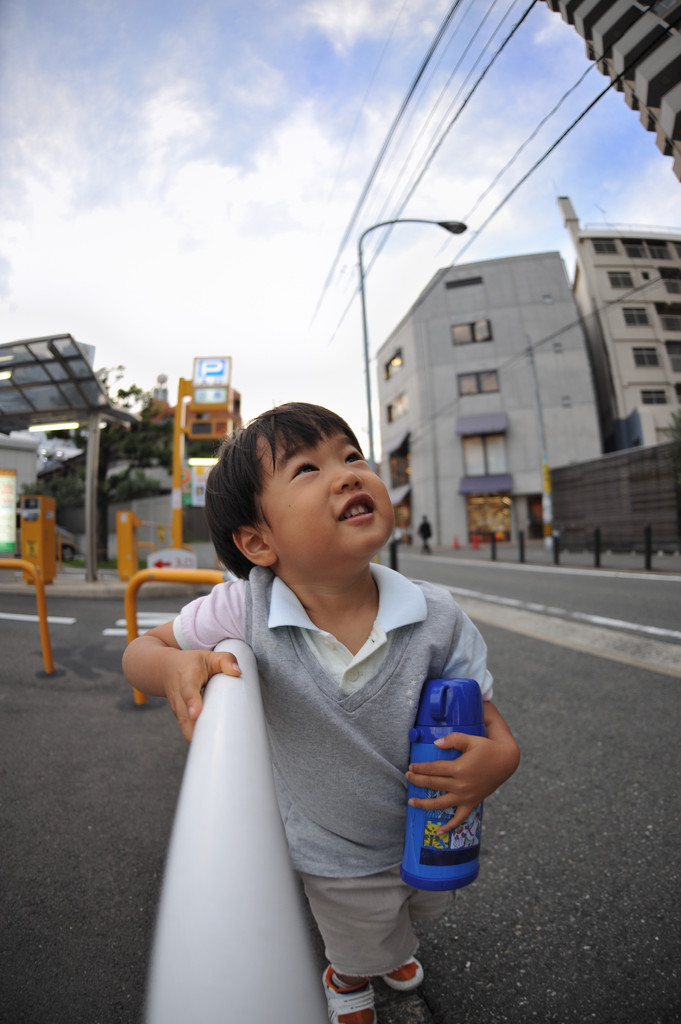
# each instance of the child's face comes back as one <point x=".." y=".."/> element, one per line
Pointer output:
<point x="325" y="511"/>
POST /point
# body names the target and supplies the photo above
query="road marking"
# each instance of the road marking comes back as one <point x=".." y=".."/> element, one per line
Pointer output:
<point x="616" y="645"/>
<point x="145" y="622"/>
<point x="57" y="620"/>
<point x="563" y="613"/>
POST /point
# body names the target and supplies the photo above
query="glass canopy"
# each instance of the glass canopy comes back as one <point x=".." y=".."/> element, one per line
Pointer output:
<point x="48" y="380"/>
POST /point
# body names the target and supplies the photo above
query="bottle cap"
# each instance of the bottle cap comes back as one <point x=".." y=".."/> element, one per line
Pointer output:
<point x="451" y="703"/>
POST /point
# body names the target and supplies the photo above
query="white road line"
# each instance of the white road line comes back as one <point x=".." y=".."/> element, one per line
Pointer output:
<point x="595" y="620"/>
<point x="57" y="620"/>
<point x="615" y="644"/>
<point x="145" y="622"/>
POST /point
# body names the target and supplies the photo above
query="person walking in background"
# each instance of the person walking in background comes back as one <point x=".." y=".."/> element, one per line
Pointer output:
<point x="425" y="533"/>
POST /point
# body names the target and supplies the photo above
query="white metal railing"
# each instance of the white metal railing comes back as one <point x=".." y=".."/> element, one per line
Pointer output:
<point x="232" y="944"/>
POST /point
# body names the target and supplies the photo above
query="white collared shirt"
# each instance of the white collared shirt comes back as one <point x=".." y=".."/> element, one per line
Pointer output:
<point x="400" y="603"/>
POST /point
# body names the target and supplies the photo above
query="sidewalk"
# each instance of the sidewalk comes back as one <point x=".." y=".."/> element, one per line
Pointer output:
<point x="536" y="553"/>
<point x="72" y="583"/>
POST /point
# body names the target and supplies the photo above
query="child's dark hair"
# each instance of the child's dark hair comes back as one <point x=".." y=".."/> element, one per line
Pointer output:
<point x="235" y="483"/>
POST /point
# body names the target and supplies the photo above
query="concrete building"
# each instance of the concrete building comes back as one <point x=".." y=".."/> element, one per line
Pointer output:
<point x="638" y="46"/>
<point x="628" y="291"/>
<point x="489" y="360"/>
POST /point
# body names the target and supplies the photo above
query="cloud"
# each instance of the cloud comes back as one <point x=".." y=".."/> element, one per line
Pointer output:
<point x="345" y="23"/>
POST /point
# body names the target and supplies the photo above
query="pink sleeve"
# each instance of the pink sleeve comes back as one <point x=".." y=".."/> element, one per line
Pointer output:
<point x="203" y="623"/>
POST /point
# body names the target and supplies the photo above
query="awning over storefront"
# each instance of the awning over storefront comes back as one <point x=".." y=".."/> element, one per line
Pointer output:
<point x="398" y="494"/>
<point x="486" y="423"/>
<point x="396" y="443"/>
<point x="501" y="483"/>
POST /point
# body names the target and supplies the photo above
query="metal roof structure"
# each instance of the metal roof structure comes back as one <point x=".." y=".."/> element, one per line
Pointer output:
<point x="47" y="381"/>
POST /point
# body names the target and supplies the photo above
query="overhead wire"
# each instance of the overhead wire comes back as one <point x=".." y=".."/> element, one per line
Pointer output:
<point x="495" y="56"/>
<point x="386" y="142"/>
<point x="525" y="177"/>
<point x="353" y="130"/>
<point x="386" y="234"/>
<point x="430" y="156"/>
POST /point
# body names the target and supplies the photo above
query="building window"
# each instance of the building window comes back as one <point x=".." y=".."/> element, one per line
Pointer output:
<point x="478" y="383"/>
<point x="674" y="353"/>
<point x="634" y="248"/>
<point x="484" y="454"/>
<point x="398" y="407"/>
<point x="465" y="334"/>
<point x="635" y="315"/>
<point x="620" y="279"/>
<point x="670" y="321"/>
<point x="646" y="357"/>
<point x="394" y="365"/>
<point x="672" y="279"/>
<point x="463" y="282"/>
<point x="654" y="397"/>
<point x="604" y="244"/>
<point x="658" y="250"/>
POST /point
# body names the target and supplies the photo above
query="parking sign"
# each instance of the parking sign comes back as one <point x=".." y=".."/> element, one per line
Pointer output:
<point x="212" y="371"/>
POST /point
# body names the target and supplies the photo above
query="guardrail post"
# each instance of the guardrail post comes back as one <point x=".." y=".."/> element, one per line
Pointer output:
<point x="521" y="546"/>
<point x="231" y="943"/>
<point x="556" y="547"/>
<point x="597" y="547"/>
<point x="493" y="549"/>
<point x="648" y="543"/>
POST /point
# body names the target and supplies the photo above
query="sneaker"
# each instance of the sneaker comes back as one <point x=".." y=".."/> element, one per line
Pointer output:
<point x="349" y="1005"/>
<point x="406" y="977"/>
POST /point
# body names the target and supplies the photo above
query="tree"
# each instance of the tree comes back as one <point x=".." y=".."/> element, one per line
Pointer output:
<point x="125" y="450"/>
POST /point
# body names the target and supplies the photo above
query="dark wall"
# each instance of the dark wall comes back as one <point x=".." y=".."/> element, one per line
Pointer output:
<point x="621" y="493"/>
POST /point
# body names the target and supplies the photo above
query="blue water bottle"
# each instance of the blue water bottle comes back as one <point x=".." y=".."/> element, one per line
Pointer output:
<point x="448" y="861"/>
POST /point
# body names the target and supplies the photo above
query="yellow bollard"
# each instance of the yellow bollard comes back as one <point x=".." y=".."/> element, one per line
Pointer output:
<point x="32" y="571"/>
<point x="213" y="576"/>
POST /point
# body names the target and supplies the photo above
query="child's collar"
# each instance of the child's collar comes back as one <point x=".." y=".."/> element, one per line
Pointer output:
<point x="400" y="602"/>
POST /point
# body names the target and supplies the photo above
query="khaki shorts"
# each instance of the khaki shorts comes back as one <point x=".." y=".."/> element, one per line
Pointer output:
<point x="366" y="922"/>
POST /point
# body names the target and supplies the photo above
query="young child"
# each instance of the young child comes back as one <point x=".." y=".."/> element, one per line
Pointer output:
<point x="343" y="646"/>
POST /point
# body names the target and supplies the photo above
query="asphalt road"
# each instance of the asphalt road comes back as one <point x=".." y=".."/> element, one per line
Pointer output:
<point x="575" y="913"/>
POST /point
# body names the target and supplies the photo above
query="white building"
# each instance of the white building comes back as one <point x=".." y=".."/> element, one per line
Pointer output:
<point x="628" y="291"/>
<point x="489" y="359"/>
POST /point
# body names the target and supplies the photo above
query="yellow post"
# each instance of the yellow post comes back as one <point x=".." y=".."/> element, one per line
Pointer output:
<point x="184" y="390"/>
<point x="33" y="572"/>
<point x="213" y="576"/>
<point x="127" y="556"/>
<point x="38" y="535"/>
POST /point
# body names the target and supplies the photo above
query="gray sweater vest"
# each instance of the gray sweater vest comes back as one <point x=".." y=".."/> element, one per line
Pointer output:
<point x="339" y="762"/>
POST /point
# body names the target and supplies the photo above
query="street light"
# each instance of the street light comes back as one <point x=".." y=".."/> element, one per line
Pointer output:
<point x="455" y="227"/>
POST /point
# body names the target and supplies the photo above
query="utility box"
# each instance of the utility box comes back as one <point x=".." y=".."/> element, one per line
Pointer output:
<point x="39" y="535"/>
<point x="127" y="524"/>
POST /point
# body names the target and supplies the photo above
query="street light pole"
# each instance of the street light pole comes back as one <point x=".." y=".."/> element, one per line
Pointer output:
<point x="455" y="227"/>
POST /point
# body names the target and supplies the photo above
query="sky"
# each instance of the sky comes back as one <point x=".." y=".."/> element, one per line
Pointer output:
<point x="190" y="179"/>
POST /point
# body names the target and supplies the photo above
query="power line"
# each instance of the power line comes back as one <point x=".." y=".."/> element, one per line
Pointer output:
<point x="386" y="143"/>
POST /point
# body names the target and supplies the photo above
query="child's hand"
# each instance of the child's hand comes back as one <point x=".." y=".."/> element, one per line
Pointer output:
<point x="188" y="673"/>
<point x="485" y="763"/>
